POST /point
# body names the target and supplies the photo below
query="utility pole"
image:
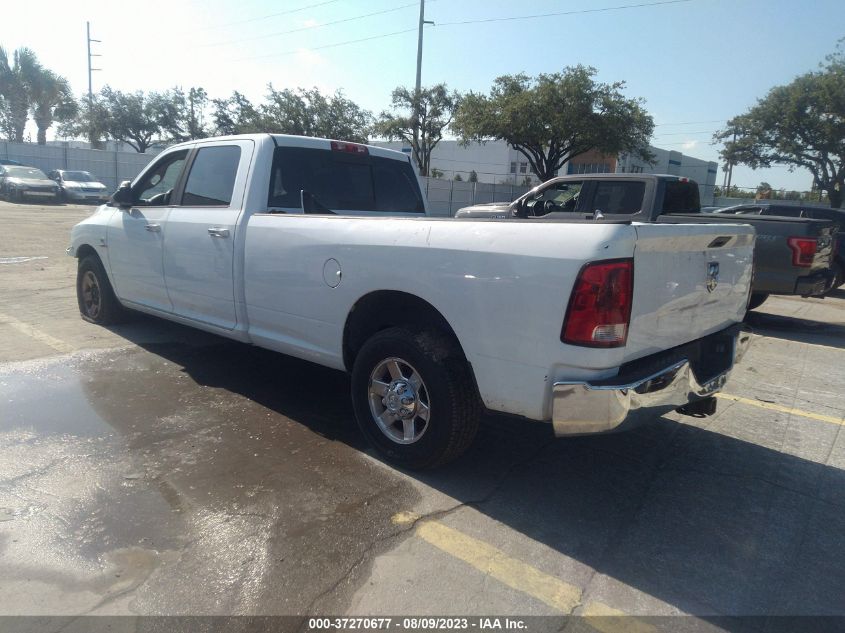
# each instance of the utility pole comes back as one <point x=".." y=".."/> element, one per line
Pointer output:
<point x="730" y="169"/>
<point x="91" y="138"/>
<point x="418" y="88"/>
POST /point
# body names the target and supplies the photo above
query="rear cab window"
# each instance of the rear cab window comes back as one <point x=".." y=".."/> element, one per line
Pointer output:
<point x="343" y="182"/>
<point x="681" y="196"/>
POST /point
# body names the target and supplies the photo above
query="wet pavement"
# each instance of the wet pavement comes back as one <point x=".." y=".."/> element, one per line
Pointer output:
<point x="150" y="469"/>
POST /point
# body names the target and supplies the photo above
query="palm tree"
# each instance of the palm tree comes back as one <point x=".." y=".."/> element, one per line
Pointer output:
<point x="51" y="98"/>
<point x="15" y="79"/>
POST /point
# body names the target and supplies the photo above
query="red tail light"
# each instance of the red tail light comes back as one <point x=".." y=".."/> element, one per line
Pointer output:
<point x="803" y="250"/>
<point x="350" y="148"/>
<point x="599" y="310"/>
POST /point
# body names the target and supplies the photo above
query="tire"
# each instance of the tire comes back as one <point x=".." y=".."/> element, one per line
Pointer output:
<point x="434" y="377"/>
<point x="94" y="294"/>
<point x="756" y="300"/>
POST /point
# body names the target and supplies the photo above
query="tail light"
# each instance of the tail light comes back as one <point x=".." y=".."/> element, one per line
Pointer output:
<point x="599" y="309"/>
<point x="350" y="148"/>
<point x="803" y="250"/>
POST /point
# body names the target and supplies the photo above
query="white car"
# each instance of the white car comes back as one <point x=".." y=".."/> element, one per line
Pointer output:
<point x="79" y="186"/>
<point x="323" y="250"/>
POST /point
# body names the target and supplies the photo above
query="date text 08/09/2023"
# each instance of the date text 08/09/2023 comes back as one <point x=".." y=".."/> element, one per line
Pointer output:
<point x="415" y="623"/>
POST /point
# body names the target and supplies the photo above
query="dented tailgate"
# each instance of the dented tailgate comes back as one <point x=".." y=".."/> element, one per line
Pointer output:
<point x="687" y="284"/>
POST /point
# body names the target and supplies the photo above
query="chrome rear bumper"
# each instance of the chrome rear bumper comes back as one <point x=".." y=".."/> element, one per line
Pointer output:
<point x="581" y="408"/>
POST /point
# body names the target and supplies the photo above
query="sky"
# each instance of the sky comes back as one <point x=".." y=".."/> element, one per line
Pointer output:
<point x="696" y="63"/>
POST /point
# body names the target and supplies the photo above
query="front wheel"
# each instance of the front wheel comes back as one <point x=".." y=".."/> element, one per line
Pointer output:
<point x="97" y="302"/>
<point x="414" y="397"/>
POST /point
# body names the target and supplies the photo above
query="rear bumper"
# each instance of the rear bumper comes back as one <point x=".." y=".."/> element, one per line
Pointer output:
<point x="816" y="284"/>
<point x="648" y="387"/>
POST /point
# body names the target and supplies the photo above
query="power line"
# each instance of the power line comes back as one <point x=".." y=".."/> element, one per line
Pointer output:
<point x="264" y="17"/>
<point x="511" y="18"/>
<point x="559" y="13"/>
<point x="691" y="122"/>
<point x="310" y="27"/>
<point x="318" y="48"/>
<point x="683" y="133"/>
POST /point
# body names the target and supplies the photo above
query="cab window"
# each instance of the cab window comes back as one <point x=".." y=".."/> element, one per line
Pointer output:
<point x="156" y="187"/>
<point x="618" y="197"/>
<point x="211" y="181"/>
<point x="564" y="196"/>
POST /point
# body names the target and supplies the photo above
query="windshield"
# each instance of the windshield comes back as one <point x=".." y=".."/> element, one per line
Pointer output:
<point x="25" y="172"/>
<point x="77" y="176"/>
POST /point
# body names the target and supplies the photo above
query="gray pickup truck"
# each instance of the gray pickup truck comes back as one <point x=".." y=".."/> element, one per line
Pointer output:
<point x="793" y="256"/>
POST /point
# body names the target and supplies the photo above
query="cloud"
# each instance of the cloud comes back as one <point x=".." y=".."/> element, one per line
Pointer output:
<point x="689" y="144"/>
<point x="310" y="23"/>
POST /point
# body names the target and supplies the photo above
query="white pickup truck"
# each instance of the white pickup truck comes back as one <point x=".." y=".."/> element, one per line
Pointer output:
<point x="323" y="250"/>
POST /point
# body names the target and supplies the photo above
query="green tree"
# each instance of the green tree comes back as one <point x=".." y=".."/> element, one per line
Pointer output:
<point x="436" y="173"/>
<point x="419" y="120"/>
<point x="90" y="121"/>
<point x="235" y="115"/>
<point x="183" y="114"/>
<point x="133" y="118"/>
<point x="458" y="178"/>
<point x="473" y="176"/>
<point x="310" y="113"/>
<point x="555" y="117"/>
<point x="800" y="124"/>
<point x="51" y="99"/>
<point x="15" y="87"/>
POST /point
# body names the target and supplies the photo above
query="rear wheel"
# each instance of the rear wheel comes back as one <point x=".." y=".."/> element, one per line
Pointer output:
<point x="94" y="294"/>
<point x="414" y="397"/>
<point x="756" y="300"/>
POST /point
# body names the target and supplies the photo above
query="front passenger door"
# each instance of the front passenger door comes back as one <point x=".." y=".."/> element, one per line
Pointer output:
<point x="136" y="235"/>
<point x="201" y="233"/>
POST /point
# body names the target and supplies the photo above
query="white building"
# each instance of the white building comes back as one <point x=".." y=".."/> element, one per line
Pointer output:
<point x="497" y="162"/>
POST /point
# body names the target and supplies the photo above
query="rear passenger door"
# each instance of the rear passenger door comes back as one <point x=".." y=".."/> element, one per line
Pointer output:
<point x="202" y="231"/>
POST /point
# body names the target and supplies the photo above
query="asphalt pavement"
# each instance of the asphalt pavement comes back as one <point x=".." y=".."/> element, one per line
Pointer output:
<point x="151" y="469"/>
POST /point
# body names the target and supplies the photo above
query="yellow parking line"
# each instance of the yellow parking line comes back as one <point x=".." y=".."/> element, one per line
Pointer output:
<point x="606" y="619"/>
<point x="771" y="406"/>
<point x="494" y="562"/>
<point x="36" y="334"/>
<point x="521" y="576"/>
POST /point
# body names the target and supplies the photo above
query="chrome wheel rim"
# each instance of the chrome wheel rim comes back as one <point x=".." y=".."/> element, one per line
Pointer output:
<point x="91" y="298"/>
<point x="399" y="401"/>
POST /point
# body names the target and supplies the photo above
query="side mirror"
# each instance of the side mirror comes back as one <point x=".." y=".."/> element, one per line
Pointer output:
<point x="123" y="196"/>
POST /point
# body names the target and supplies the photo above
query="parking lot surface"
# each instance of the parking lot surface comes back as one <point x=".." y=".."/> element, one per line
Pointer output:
<point x="153" y="469"/>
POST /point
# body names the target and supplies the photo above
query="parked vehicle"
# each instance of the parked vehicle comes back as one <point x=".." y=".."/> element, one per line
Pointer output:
<point x="22" y="183"/>
<point x="793" y="255"/>
<point x="79" y="186"/>
<point x="817" y="212"/>
<point x="322" y="250"/>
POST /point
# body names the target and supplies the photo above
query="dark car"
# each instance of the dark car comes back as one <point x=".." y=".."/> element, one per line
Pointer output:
<point x="21" y="183"/>
<point x="817" y="212"/>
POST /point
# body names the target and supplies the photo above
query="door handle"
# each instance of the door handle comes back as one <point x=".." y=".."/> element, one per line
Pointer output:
<point x="153" y="228"/>
<point x="216" y="231"/>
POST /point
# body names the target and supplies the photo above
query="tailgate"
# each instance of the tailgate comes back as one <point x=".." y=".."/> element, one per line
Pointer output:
<point x="690" y="280"/>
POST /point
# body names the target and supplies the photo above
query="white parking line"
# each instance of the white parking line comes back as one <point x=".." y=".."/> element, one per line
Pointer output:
<point x="36" y="334"/>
